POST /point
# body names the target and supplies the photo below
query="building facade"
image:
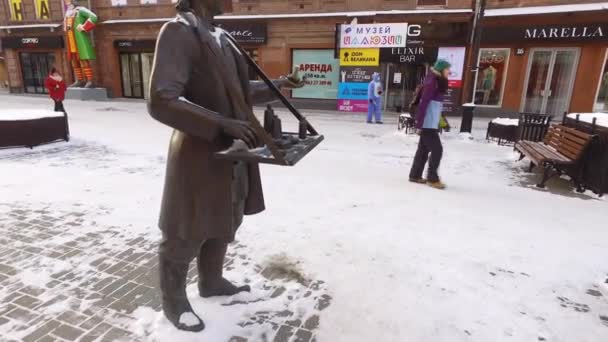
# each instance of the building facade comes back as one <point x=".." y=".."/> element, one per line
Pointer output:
<point x="517" y="73"/>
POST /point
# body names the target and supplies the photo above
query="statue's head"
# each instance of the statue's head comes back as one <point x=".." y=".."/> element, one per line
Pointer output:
<point x="211" y="7"/>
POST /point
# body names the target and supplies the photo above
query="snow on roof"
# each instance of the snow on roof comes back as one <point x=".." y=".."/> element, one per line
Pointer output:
<point x="343" y="14"/>
<point x="530" y="10"/>
<point x="602" y="118"/>
<point x="136" y="21"/>
<point x="13" y="27"/>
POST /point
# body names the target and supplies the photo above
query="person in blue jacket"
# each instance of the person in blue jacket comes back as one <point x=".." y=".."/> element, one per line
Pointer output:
<point x="374" y="94"/>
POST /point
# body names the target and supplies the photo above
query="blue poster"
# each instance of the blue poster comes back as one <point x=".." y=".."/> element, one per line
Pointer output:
<point x="353" y="91"/>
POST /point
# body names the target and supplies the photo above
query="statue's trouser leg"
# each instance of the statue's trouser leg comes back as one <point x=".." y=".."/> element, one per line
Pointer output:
<point x="175" y="256"/>
<point x="88" y="71"/>
<point x="78" y="73"/>
<point x="210" y="269"/>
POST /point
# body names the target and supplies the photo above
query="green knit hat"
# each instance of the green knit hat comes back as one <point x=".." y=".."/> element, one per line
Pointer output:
<point x="441" y="65"/>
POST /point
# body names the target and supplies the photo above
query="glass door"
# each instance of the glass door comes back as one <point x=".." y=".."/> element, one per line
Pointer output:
<point x="146" y="69"/>
<point x="550" y="79"/>
<point x="131" y="70"/>
<point x="35" y="68"/>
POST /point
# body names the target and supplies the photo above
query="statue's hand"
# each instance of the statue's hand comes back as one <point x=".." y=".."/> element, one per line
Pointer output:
<point x="239" y="129"/>
<point x="80" y="27"/>
<point x="293" y="81"/>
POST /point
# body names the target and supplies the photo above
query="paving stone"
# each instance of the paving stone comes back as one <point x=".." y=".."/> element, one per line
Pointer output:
<point x="284" y="334"/>
<point x="22" y="315"/>
<point x="91" y="322"/>
<point x="48" y="339"/>
<point x="312" y="322"/>
<point x="113" y="287"/>
<point x="27" y="301"/>
<point x="67" y="332"/>
<point x="7" y="270"/>
<point x="123" y="290"/>
<point x="41" y="331"/>
<point x="117" y="334"/>
<point x="32" y="290"/>
<point x="72" y="318"/>
<point x="96" y="333"/>
<point x="302" y="336"/>
<point x="3" y="320"/>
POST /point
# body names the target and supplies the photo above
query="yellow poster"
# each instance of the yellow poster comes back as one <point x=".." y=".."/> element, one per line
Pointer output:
<point x="360" y="57"/>
<point x="42" y="9"/>
<point x="16" y="7"/>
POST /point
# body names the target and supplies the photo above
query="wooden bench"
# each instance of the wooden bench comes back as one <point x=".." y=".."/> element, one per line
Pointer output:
<point x="562" y="148"/>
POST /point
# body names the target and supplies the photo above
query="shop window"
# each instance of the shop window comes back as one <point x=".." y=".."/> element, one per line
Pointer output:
<point x="490" y="82"/>
<point x="148" y="2"/>
<point x="423" y="3"/>
<point x="322" y="72"/>
<point x="119" y="3"/>
<point x="601" y="103"/>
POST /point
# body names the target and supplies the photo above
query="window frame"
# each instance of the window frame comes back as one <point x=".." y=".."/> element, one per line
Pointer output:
<point x="599" y="83"/>
<point x="504" y="78"/>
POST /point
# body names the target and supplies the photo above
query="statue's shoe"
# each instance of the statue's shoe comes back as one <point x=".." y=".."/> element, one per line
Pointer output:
<point x="89" y="85"/>
<point x="182" y="316"/>
<point x="77" y="84"/>
<point x="223" y="288"/>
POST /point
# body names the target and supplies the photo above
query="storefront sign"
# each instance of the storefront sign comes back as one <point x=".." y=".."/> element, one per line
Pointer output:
<point x="353" y="106"/>
<point x="455" y="56"/>
<point x="52" y="42"/>
<point x="556" y="33"/>
<point x="409" y="55"/>
<point x="144" y="44"/>
<point x="42" y="9"/>
<point x="353" y="91"/>
<point x="357" y="74"/>
<point x="360" y="57"/>
<point x="373" y="35"/>
<point x="322" y="73"/>
<point x="16" y="9"/>
<point x="246" y="33"/>
<point x="520" y="52"/>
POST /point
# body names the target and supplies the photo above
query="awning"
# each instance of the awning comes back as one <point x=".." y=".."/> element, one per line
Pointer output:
<point x="15" y="27"/>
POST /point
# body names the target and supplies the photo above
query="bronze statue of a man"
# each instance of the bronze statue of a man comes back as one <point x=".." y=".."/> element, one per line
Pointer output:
<point x="200" y="87"/>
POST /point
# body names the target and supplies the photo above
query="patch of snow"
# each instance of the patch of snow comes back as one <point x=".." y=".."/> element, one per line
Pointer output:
<point x="18" y="114"/>
<point x="189" y="319"/>
<point x="601" y="118"/>
<point x="506" y="122"/>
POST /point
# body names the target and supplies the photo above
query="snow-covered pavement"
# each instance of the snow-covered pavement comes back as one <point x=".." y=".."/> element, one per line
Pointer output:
<point x="348" y="249"/>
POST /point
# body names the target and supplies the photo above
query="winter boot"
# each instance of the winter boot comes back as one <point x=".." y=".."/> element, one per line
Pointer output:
<point x="437" y="184"/>
<point x="211" y="283"/>
<point x="177" y="309"/>
<point x="418" y="180"/>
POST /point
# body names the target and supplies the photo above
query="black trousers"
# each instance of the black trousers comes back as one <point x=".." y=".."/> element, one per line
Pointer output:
<point x="59" y="106"/>
<point x="429" y="143"/>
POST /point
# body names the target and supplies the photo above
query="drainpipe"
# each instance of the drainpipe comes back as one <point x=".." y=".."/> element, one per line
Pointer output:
<point x="473" y="65"/>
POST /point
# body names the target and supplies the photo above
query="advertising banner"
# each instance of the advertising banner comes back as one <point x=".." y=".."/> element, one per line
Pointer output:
<point x="353" y="91"/>
<point x="322" y="71"/>
<point x="246" y="33"/>
<point x="360" y="57"/>
<point x="357" y="74"/>
<point x="409" y="55"/>
<point x="353" y="106"/>
<point x="456" y="57"/>
<point x="373" y="35"/>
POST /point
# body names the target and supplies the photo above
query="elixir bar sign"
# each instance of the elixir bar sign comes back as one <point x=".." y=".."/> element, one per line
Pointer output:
<point x="555" y="33"/>
<point x="373" y="35"/>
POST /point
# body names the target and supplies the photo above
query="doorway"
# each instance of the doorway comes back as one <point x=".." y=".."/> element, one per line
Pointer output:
<point x="35" y="68"/>
<point x="549" y="80"/>
<point x="135" y="71"/>
<point x="400" y="82"/>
